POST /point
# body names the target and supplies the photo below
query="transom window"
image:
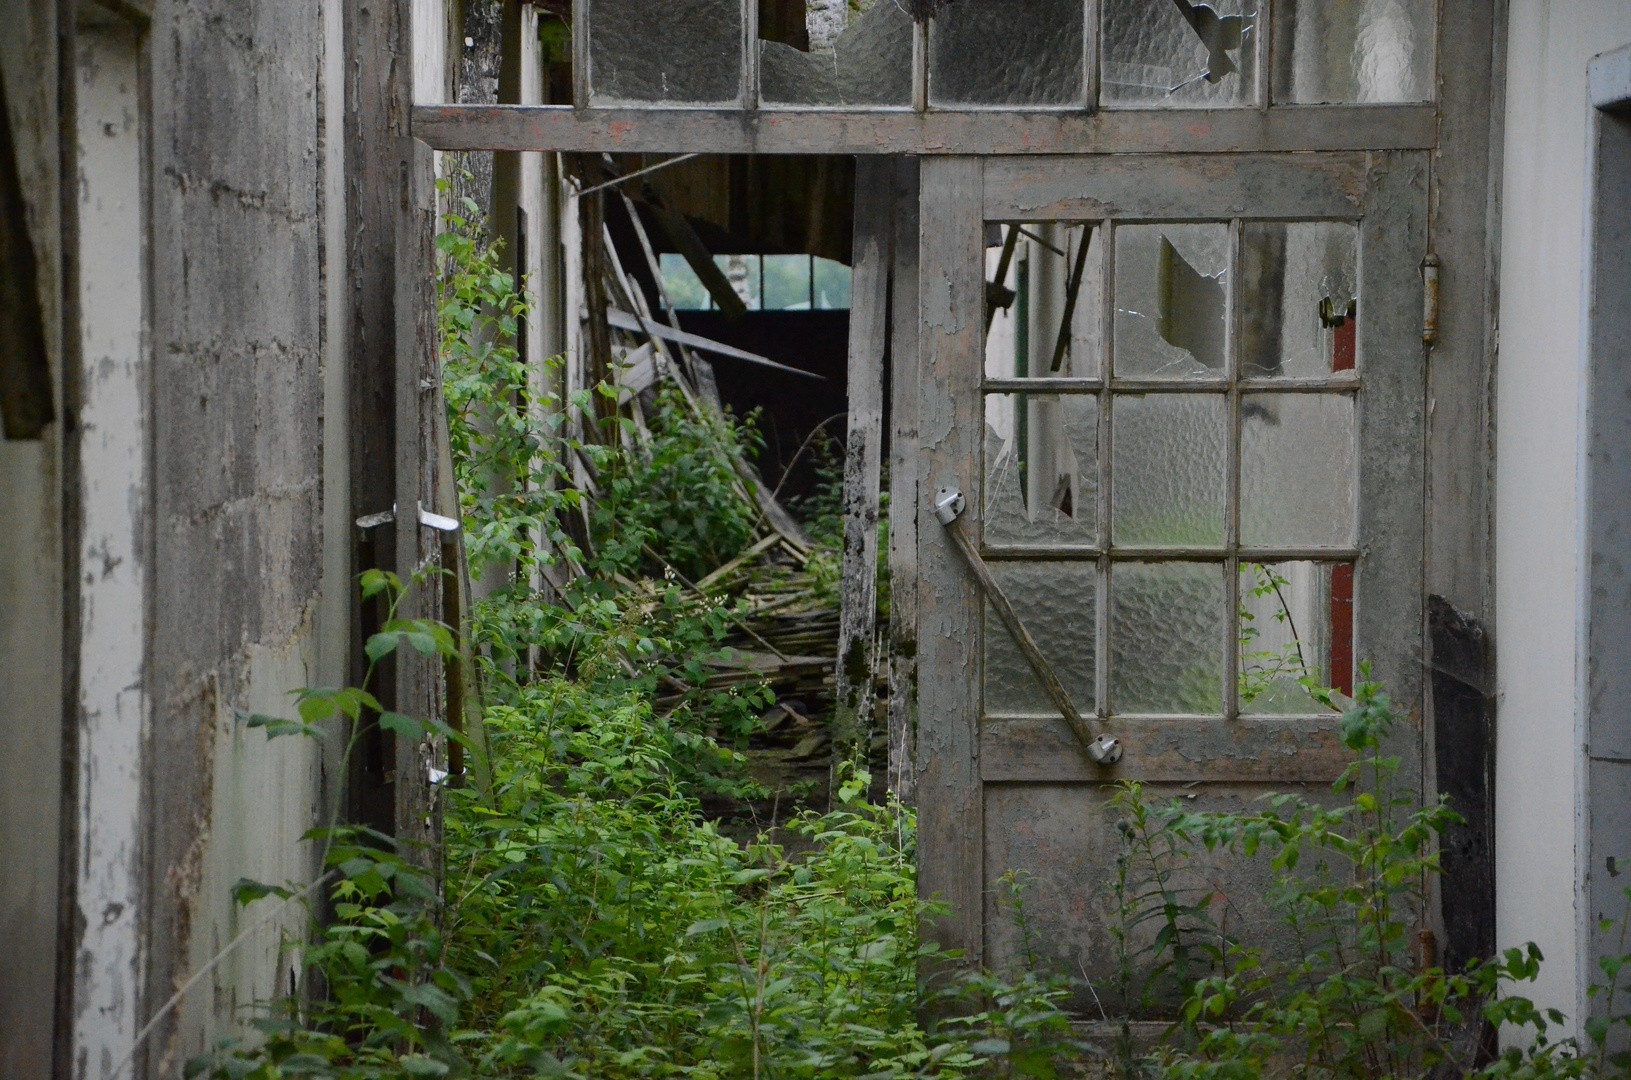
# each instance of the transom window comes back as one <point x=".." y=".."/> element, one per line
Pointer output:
<point x="1003" y="54"/>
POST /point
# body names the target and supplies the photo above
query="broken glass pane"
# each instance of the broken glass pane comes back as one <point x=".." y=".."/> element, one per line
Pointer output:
<point x="1297" y="482"/>
<point x="1299" y="298"/>
<point x="1287" y="628"/>
<point x="1043" y="284"/>
<point x="1179" y="53"/>
<point x="1041" y="469"/>
<point x="1168" y="469"/>
<point x="1008" y="52"/>
<point x="1058" y="604"/>
<point x="1166" y="638"/>
<point x="859" y="53"/>
<point x="1171" y="301"/>
<point x="673" y="52"/>
<point x="1353" y="51"/>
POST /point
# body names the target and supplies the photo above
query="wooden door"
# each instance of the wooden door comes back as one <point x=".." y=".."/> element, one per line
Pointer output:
<point x="1192" y="455"/>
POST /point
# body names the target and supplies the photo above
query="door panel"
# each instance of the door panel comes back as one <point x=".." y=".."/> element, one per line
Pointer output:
<point x="1191" y="445"/>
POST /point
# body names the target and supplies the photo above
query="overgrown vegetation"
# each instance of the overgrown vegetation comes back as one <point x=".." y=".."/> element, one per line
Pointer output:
<point x="590" y="920"/>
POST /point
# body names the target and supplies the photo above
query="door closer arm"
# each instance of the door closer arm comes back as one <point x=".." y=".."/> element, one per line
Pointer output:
<point x="1102" y="750"/>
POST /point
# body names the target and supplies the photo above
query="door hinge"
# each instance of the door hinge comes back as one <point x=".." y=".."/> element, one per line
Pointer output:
<point x="1429" y="299"/>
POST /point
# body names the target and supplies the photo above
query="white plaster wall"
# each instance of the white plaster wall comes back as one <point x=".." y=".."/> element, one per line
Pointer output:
<point x="1537" y="532"/>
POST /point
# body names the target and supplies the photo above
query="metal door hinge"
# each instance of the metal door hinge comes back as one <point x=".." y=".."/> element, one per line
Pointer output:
<point x="1429" y="299"/>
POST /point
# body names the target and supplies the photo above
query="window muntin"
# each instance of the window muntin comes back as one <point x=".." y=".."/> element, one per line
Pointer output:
<point x="1205" y="507"/>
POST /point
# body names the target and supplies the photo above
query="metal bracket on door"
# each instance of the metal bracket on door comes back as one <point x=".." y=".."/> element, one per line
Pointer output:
<point x="1102" y="750"/>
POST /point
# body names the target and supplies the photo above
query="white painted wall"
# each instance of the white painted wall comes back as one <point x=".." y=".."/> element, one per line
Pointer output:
<point x="1537" y="533"/>
<point x="113" y="554"/>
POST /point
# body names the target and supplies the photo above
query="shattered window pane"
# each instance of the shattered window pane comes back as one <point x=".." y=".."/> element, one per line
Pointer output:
<point x="1179" y="53"/>
<point x="851" y="53"/>
<point x="671" y="52"/>
<point x="1041" y="469"/>
<point x="1300" y="299"/>
<point x="830" y="284"/>
<point x="1044" y="290"/>
<point x="1296" y="622"/>
<point x="1171" y="301"/>
<point x="1008" y="52"/>
<point x="1354" y="51"/>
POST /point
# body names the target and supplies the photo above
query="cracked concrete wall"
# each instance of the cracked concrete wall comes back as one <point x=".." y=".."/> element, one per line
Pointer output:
<point x="252" y="555"/>
<point x="31" y="587"/>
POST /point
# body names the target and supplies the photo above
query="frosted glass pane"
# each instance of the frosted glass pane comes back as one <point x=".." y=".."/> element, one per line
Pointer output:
<point x="1171" y="301"/>
<point x="1299" y="287"/>
<point x="1049" y="289"/>
<point x="1286" y="634"/>
<point x="1008" y="52"/>
<point x="1166" y="638"/>
<point x="1297" y="470"/>
<point x="685" y="52"/>
<point x="1179" y="54"/>
<point x="856" y="57"/>
<point x="1168" y="469"/>
<point x="787" y="283"/>
<point x="1057" y="602"/>
<point x="1354" y="51"/>
<point x="1041" y="469"/>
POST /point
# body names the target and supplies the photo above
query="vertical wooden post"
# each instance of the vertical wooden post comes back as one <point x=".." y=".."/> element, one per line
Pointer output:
<point x="868" y="336"/>
<point x="904" y="494"/>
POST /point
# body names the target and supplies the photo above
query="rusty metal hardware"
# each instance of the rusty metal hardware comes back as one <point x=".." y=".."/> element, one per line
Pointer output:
<point x="1429" y="299"/>
<point x="1102" y="750"/>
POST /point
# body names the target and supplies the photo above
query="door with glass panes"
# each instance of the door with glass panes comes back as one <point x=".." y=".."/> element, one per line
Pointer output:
<point x="1182" y="397"/>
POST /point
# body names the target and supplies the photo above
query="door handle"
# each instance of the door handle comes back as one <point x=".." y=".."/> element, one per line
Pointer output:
<point x="1102" y="750"/>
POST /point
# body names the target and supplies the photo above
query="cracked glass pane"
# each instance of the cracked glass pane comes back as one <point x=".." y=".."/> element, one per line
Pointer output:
<point x="1041" y="469"/>
<point x="1043" y="290"/>
<point x="670" y="52"/>
<point x="1172" y="284"/>
<point x="1168" y="469"/>
<point x="1297" y="472"/>
<point x="1291" y="629"/>
<point x="1058" y="604"/>
<point x="1166" y="638"/>
<point x="850" y="53"/>
<point x="1178" y="53"/>
<point x="1008" y="52"/>
<point x="1299" y="285"/>
<point x="1353" y="51"/>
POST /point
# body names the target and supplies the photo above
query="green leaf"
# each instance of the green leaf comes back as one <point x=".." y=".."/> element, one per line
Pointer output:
<point x="706" y="926"/>
<point x="420" y="1065"/>
<point x="990" y="1047"/>
<point x="382" y="645"/>
<point x="406" y="726"/>
<point x="246" y="892"/>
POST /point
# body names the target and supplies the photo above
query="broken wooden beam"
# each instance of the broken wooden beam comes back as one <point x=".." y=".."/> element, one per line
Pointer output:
<point x="868" y="338"/>
<point x="622" y="320"/>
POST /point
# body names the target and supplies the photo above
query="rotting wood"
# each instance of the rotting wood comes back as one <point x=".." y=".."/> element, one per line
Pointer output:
<point x="1211" y="750"/>
<point x="903" y="485"/>
<point x="868" y="337"/>
<point x="950" y="797"/>
<point x="938" y="133"/>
